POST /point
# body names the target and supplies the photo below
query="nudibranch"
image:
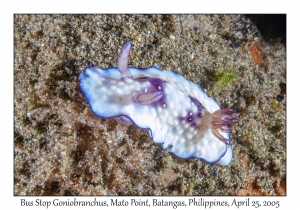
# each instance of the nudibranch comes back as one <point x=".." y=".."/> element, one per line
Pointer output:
<point x="177" y="112"/>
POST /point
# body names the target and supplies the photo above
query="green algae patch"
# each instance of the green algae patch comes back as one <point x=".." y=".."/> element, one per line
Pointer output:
<point x="224" y="79"/>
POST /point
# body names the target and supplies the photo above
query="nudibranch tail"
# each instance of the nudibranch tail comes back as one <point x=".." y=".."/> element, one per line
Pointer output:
<point x="220" y="120"/>
<point x="122" y="61"/>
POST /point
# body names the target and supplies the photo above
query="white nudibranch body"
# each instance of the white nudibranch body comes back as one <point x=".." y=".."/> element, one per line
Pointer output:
<point x="176" y="111"/>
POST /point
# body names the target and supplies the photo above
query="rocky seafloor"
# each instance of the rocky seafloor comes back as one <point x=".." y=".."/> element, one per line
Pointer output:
<point x="62" y="148"/>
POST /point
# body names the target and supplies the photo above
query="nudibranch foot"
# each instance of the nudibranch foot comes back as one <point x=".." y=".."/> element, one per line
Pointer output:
<point x="122" y="119"/>
<point x="219" y="121"/>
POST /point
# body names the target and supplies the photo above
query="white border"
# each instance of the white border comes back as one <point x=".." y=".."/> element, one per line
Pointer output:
<point x="154" y="6"/>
